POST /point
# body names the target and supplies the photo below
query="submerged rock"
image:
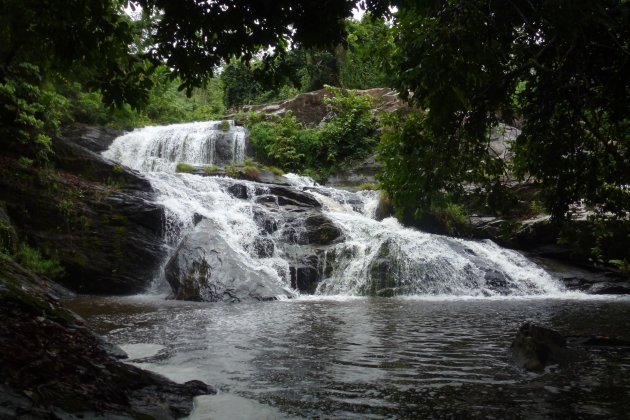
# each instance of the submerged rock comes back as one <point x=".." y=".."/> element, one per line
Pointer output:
<point x="536" y="347"/>
<point x="206" y="268"/>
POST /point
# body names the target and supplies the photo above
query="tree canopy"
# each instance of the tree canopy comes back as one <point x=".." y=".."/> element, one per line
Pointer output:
<point x="557" y="69"/>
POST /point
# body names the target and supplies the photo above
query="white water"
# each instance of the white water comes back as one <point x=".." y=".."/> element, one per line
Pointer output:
<point x="413" y="262"/>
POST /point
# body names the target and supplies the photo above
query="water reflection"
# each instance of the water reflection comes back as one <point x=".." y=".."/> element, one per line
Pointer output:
<point x="378" y="358"/>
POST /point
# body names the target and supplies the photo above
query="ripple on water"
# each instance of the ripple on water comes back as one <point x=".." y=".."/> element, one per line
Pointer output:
<point x="377" y="358"/>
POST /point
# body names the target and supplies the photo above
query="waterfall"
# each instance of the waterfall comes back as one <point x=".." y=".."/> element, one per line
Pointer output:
<point x="161" y="148"/>
<point x="305" y="236"/>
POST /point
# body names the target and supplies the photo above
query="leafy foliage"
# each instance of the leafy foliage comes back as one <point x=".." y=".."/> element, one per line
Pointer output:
<point x="560" y="66"/>
<point x="88" y="51"/>
<point x="196" y="36"/>
<point x="370" y="44"/>
<point x="32" y="259"/>
<point x="350" y="133"/>
<point x="29" y="112"/>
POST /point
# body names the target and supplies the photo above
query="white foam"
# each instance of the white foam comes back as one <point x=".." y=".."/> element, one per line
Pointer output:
<point x="141" y="350"/>
<point x="231" y="407"/>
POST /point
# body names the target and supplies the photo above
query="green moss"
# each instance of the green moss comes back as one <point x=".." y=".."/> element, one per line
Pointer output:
<point x="31" y="259"/>
<point x="275" y="170"/>
<point x="211" y="169"/>
<point x="184" y="167"/>
<point x="371" y="186"/>
<point x="225" y="126"/>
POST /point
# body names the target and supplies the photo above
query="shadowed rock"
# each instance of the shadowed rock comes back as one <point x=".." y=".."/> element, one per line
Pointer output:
<point x="97" y="218"/>
<point x="53" y="367"/>
<point x="206" y="268"/>
<point x="536" y="347"/>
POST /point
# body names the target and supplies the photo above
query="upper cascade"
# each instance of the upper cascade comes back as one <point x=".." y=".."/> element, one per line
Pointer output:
<point x="233" y="239"/>
<point x="161" y="148"/>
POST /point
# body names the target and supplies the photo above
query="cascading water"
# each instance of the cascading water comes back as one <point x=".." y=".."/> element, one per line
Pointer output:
<point x="304" y="235"/>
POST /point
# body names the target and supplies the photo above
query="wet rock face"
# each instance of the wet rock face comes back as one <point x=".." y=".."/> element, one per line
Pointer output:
<point x="98" y="219"/>
<point x="350" y="177"/>
<point x="303" y="234"/>
<point x="206" y="268"/>
<point x="52" y="366"/>
<point x="291" y="223"/>
<point x="93" y="138"/>
<point x="224" y="149"/>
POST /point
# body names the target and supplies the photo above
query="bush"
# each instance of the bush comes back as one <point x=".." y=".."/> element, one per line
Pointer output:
<point x="350" y="133"/>
<point x="451" y="218"/>
<point x="184" y="167"/>
<point x="274" y="169"/>
<point x="251" y="171"/>
<point x="33" y="260"/>
<point x="370" y="186"/>
<point x="211" y="169"/>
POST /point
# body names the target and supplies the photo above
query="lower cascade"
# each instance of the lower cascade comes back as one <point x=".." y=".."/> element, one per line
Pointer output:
<point x="232" y="240"/>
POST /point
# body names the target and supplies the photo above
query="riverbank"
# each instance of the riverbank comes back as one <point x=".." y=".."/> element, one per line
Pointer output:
<point x="93" y="228"/>
<point x="52" y="365"/>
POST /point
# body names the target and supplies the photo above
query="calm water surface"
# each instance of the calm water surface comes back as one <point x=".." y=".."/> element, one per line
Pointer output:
<point x="374" y="358"/>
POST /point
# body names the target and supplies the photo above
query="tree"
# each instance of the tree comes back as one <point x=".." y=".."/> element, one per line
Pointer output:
<point x="239" y="85"/>
<point x="194" y="36"/>
<point x="370" y="43"/>
<point x="43" y="42"/>
<point x="558" y="68"/>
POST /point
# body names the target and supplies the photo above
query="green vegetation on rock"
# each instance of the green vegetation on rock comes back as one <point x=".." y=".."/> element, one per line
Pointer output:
<point x="184" y="167"/>
<point x="349" y="133"/>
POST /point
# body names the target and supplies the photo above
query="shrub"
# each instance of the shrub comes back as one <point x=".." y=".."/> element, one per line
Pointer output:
<point x="33" y="260"/>
<point x="211" y="169"/>
<point x="285" y="142"/>
<point x="231" y="170"/>
<point x="351" y="132"/>
<point x="274" y="169"/>
<point x="184" y="167"/>
<point x="251" y="171"/>
<point x="371" y="186"/>
<point x="451" y="218"/>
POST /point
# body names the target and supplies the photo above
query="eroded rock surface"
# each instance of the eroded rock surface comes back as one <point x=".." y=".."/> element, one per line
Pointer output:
<point x="206" y="268"/>
<point x="98" y="219"/>
<point x="52" y="366"/>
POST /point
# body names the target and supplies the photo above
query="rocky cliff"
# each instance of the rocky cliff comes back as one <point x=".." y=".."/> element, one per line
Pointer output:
<point x="97" y="218"/>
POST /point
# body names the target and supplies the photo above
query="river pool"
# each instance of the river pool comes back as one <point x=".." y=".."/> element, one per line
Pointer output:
<point x="343" y="357"/>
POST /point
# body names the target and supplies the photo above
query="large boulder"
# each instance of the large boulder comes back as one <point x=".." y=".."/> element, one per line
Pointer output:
<point x="93" y="138"/>
<point x="52" y="366"/>
<point x="311" y="108"/>
<point x="356" y="174"/>
<point x="206" y="268"/>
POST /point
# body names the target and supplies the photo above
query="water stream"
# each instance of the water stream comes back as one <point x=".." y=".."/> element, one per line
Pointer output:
<point x="437" y="349"/>
<point x="371" y="256"/>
